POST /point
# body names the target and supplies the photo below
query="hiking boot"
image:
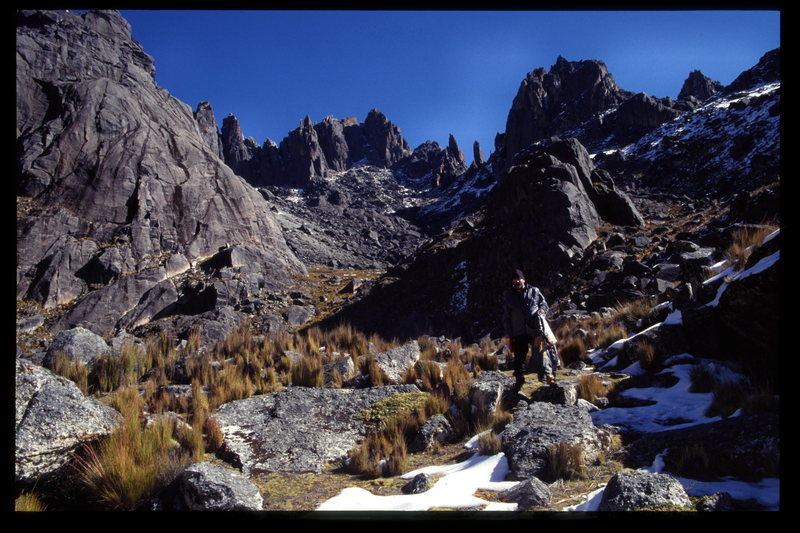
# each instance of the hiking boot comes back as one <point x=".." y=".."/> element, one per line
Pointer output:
<point x="551" y="380"/>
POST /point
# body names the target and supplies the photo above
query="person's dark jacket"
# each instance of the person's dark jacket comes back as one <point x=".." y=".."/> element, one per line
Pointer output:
<point x="518" y="307"/>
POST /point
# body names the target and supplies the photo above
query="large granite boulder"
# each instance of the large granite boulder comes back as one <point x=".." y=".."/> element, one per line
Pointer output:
<point x="395" y="362"/>
<point x="639" y="490"/>
<point x="527" y="440"/>
<point x="52" y="419"/>
<point x="76" y="344"/>
<point x="299" y="429"/>
<point x="207" y="487"/>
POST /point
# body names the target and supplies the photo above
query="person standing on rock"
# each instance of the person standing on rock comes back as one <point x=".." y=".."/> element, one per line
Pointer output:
<point x="522" y="305"/>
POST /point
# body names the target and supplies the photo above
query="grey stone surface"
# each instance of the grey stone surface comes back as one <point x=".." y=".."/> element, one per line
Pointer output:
<point x="142" y="180"/>
<point x="629" y="491"/>
<point x="77" y="344"/>
<point x="527" y="440"/>
<point x="297" y="430"/>
<point x="206" y="487"/>
<point x="397" y="361"/>
<point x="529" y="494"/>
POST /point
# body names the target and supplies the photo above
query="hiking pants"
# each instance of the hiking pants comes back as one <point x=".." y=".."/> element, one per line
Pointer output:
<point x="540" y="359"/>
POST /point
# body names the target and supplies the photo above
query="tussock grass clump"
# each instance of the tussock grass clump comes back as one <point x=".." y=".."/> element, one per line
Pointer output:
<point x="702" y="380"/>
<point x="381" y="454"/>
<point x="691" y="460"/>
<point x="376" y="376"/>
<point x="74" y="370"/>
<point x="489" y="443"/>
<point x="643" y="351"/>
<point x="729" y="396"/>
<point x="29" y="502"/>
<point x="590" y="387"/>
<point x="391" y="424"/>
<point x="344" y="338"/>
<point x="573" y="349"/>
<point x="308" y="372"/>
<point x="479" y="358"/>
<point x="214" y="434"/>
<point x="607" y="336"/>
<point x="128" y="467"/>
<point x="635" y="314"/>
<point x="744" y="241"/>
<point x="565" y="461"/>
<point x="458" y="379"/>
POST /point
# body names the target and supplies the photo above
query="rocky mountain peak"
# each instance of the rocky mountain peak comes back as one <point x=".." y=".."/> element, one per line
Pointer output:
<point x="477" y="153"/>
<point x="454" y="150"/>
<point x="550" y="103"/>
<point x="699" y="86"/>
<point x="315" y="149"/>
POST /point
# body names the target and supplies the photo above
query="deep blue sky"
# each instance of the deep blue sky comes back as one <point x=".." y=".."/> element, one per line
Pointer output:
<point x="432" y="73"/>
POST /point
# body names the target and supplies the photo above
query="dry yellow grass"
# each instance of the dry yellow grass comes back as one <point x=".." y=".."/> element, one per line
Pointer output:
<point x="745" y="240"/>
<point x="125" y="469"/>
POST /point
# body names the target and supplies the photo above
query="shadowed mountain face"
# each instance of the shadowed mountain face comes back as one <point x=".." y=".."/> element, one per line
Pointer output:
<point x="125" y="190"/>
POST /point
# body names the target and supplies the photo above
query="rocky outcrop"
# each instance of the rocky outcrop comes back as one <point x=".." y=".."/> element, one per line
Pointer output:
<point x="767" y="70"/>
<point x="728" y="144"/>
<point x="747" y="447"/>
<point x="53" y="418"/>
<point x="207" y="123"/>
<point x="639" y="115"/>
<point x="550" y="103"/>
<point x="297" y="430"/>
<point x="430" y="165"/>
<point x="539" y="218"/>
<point x="113" y="163"/>
<point x="699" y="86"/>
<point x="631" y="491"/>
<point x="730" y="329"/>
